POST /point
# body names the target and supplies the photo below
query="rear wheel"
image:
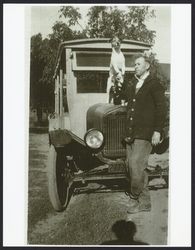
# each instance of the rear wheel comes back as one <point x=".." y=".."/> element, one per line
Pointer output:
<point x="59" y="179"/>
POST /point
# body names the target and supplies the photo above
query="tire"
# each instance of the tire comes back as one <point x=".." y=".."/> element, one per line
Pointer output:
<point x="59" y="179"/>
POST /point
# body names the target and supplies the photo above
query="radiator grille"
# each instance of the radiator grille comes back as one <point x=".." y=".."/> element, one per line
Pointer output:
<point x="114" y="127"/>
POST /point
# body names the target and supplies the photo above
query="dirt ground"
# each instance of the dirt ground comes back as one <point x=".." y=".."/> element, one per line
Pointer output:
<point x="89" y="217"/>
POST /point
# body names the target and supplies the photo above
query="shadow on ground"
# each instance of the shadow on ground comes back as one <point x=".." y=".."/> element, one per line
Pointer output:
<point x="125" y="233"/>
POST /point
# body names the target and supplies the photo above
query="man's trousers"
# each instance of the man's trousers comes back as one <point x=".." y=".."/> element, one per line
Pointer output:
<point x="137" y="157"/>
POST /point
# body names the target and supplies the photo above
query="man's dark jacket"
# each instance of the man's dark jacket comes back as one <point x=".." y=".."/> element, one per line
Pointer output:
<point x="146" y="110"/>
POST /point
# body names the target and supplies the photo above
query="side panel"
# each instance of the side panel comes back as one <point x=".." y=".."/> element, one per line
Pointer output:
<point x="79" y="103"/>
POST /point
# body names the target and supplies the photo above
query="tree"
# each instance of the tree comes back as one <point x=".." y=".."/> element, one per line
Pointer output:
<point x="43" y="57"/>
<point x="71" y="14"/>
<point x="105" y="21"/>
<point x="155" y="68"/>
<point x="73" y="17"/>
<point x="61" y="32"/>
<point x="47" y="57"/>
<point x="36" y="69"/>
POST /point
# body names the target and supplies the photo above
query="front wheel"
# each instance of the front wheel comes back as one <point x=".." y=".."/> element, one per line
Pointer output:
<point x="59" y="179"/>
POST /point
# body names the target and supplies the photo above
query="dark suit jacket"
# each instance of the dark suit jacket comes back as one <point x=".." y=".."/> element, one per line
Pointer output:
<point x="146" y="110"/>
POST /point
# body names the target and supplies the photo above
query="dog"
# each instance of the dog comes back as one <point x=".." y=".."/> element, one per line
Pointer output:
<point x="117" y="70"/>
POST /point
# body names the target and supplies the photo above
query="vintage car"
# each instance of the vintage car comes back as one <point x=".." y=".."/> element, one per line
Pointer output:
<point x="85" y="132"/>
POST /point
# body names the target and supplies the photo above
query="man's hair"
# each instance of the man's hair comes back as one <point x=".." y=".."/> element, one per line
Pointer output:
<point x="140" y="55"/>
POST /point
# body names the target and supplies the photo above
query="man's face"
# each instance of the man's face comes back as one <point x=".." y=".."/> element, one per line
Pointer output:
<point x="141" y="66"/>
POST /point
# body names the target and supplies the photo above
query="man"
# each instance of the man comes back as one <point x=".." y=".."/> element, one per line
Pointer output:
<point x="146" y="114"/>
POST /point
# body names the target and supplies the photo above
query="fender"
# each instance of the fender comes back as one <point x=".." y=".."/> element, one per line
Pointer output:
<point x="63" y="137"/>
<point x="74" y="146"/>
<point x="59" y="137"/>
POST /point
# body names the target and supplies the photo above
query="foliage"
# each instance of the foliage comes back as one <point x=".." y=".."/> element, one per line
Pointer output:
<point x="104" y="21"/>
<point x="72" y="14"/>
<point x="36" y="69"/>
<point x="155" y="68"/>
<point x="43" y="56"/>
<point x="42" y="61"/>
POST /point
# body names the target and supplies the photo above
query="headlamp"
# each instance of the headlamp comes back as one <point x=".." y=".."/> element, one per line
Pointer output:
<point x="94" y="139"/>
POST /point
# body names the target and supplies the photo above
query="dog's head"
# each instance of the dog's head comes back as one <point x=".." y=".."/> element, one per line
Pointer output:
<point x="115" y="42"/>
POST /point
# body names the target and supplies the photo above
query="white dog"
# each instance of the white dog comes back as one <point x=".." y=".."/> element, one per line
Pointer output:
<point x="117" y="66"/>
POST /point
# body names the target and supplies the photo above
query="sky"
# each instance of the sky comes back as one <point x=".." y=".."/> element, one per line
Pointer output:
<point x="44" y="17"/>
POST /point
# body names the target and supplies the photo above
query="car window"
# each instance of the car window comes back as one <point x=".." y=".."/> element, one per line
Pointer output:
<point x="91" y="69"/>
<point x="98" y="61"/>
<point x="93" y="59"/>
<point x="95" y="81"/>
<point x="91" y="81"/>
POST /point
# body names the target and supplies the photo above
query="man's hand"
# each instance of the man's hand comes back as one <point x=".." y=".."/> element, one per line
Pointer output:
<point x="155" y="138"/>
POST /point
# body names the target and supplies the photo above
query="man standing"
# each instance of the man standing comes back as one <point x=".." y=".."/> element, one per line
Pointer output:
<point x="146" y="115"/>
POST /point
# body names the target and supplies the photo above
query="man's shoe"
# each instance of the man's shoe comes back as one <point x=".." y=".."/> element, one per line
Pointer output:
<point x="133" y="206"/>
<point x="136" y="206"/>
<point x="144" y="207"/>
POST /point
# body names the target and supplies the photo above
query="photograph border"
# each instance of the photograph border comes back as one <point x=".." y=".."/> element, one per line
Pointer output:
<point x="5" y="135"/>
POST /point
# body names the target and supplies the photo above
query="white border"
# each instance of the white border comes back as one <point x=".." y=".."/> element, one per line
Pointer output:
<point x="180" y="128"/>
<point x="15" y="132"/>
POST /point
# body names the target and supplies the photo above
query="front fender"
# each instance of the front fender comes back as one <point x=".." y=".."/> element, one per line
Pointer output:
<point x="74" y="146"/>
<point x="59" y="137"/>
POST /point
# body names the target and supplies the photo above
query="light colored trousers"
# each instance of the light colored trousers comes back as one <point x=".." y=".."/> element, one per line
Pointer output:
<point x="137" y="157"/>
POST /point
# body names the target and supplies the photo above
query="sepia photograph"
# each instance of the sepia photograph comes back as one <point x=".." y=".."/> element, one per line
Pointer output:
<point x="99" y="125"/>
<point x="99" y="101"/>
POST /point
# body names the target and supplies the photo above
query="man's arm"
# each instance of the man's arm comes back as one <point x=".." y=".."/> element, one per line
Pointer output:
<point x="160" y="112"/>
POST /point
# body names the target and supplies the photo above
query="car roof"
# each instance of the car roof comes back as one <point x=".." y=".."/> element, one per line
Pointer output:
<point x="102" y="44"/>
